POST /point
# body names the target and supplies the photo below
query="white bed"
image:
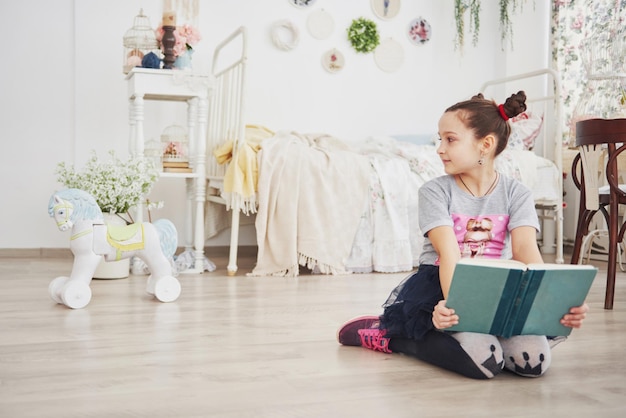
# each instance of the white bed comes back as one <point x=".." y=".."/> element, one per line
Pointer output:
<point x="337" y="207"/>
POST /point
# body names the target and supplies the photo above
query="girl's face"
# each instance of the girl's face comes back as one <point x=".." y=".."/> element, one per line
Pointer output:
<point x="458" y="148"/>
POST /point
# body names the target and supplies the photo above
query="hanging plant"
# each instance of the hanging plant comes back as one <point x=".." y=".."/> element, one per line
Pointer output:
<point x="460" y="7"/>
<point x="506" y="27"/>
<point x="363" y="35"/>
<point x="506" y="7"/>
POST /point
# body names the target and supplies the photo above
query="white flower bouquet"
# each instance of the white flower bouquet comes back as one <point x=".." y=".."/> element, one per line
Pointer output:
<point x="116" y="185"/>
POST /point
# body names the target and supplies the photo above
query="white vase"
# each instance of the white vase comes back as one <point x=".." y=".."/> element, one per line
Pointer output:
<point x="113" y="269"/>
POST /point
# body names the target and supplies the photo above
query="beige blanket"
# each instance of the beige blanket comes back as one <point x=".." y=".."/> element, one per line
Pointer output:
<point x="312" y="191"/>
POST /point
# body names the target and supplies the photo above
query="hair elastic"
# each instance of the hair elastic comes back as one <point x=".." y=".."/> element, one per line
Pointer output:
<point x="502" y="112"/>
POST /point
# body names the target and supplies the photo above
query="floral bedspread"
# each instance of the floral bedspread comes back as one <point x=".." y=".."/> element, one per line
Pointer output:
<point x="389" y="238"/>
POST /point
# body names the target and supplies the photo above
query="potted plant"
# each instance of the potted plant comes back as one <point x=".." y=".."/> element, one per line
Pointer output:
<point x="117" y="186"/>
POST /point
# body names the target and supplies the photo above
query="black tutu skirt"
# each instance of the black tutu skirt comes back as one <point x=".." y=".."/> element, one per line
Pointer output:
<point x="409" y="308"/>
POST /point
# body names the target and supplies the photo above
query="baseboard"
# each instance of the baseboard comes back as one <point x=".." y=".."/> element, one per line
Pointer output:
<point x="242" y="251"/>
<point x="35" y="253"/>
<point x="223" y="251"/>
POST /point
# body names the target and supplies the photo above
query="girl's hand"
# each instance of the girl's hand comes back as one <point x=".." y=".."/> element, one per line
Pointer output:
<point x="575" y="317"/>
<point x="444" y="317"/>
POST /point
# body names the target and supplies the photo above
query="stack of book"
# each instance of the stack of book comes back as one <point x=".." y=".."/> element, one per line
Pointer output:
<point x="176" y="167"/>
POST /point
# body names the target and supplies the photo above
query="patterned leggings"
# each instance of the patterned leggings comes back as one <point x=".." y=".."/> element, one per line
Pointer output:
<point x="479" y="356"/>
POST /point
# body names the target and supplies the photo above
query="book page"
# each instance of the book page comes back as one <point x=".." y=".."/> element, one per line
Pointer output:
<point x="493" y="262"/>
<point x="553" y="266"/>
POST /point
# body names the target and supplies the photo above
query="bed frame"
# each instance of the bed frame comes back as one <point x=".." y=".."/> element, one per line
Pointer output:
<point x="226" y="122"/>
<point x="542" y="89"/>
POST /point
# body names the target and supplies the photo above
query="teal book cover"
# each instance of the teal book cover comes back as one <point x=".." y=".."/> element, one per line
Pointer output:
<point x="506" y="298"/>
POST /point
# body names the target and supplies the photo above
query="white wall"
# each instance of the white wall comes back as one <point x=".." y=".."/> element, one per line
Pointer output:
<point x="64" y="93"/>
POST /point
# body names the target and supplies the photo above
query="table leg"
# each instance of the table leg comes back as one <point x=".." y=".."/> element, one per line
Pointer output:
<point x="612" y="268"/>
<point x="137" y="145"/>
<point x="202" y="109"/>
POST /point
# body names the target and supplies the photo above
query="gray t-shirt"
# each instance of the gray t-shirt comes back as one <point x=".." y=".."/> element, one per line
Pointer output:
<point x="482" y="225"/>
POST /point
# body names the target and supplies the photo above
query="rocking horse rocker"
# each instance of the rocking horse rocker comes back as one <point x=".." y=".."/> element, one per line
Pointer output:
<point x="91" y="239"/>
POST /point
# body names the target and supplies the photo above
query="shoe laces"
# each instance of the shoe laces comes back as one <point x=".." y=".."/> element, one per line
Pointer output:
<point x="374" y="339"/>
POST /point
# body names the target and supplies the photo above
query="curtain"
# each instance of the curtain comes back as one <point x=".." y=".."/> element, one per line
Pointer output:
<point x="572" y="21"/>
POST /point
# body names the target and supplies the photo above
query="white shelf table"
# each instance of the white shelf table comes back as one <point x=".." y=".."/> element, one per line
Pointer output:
<point x="177" y="86"/>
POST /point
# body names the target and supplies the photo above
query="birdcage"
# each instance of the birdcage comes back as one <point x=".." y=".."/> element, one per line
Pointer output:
<point x="175" y="145"/>
<point x="139" y="41"/>
<point x="153" y="153"/>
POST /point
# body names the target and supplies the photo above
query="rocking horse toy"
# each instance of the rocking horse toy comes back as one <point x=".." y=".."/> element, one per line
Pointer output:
<point x="91" y="239"/>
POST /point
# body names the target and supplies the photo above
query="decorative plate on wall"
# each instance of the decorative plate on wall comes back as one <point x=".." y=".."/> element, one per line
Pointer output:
<point x="333" y="61"/>
<point x="389" y="55"/>
<point x="385" y="9"/>
<point x="419" y="31"/>
<point x="302" y="3"/>
<point x="320" y="24"/>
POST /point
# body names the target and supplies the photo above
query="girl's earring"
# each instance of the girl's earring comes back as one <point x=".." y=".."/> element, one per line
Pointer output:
<point x="481" y="161"/>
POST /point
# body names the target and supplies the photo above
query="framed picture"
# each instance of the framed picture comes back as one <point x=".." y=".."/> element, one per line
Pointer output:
<point x="385" y="9"/>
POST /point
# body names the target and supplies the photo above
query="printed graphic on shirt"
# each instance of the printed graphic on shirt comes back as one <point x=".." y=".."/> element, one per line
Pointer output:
<point x="481" y="236"/>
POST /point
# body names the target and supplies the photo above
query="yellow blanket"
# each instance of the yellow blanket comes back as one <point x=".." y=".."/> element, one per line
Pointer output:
<point x="242" y="173"/>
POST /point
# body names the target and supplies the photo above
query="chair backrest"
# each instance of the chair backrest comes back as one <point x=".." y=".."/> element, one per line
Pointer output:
<point x="600" y="141"/>
<point x="593" y="163"/>
<point x="226" y="106"/>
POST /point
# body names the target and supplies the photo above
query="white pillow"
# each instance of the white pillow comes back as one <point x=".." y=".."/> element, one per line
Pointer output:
<point x="524" y="130"/>
<point x="417" y="139"/>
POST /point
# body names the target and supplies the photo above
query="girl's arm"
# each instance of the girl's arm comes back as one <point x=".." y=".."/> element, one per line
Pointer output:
<point x="524" y="245"/>
<point x="445" y="243"/>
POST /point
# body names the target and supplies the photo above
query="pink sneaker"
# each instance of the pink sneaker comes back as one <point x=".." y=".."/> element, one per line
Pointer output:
<point x="348" y="333"/>
<point x="363" y="331"/>
<point x="374" y="339"/>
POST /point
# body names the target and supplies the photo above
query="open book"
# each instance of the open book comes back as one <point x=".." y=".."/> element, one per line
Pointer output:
<point x="506" y="297"/>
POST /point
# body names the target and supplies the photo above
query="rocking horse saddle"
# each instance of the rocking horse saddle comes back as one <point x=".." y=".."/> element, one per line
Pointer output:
<point x="122" y="238"/>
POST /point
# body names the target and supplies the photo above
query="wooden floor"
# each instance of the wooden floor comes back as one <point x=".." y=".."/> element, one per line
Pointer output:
<point x="265" y="347"/>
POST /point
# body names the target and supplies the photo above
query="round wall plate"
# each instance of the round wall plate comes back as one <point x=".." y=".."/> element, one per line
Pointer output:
<point x="333" y="61"/>
<point x="302" y="3"/>
<point x="385" y="9"/>
<point x="320" y="24"/>
<point x="419" y="31"/>
<point x="389" y="55"/>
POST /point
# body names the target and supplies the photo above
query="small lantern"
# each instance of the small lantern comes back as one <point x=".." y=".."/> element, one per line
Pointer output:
<point x="139" y="41"/>
<point x="175" y="146"/>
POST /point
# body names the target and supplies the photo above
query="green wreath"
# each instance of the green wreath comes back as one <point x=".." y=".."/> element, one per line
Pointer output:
<point x="363" y="35"/>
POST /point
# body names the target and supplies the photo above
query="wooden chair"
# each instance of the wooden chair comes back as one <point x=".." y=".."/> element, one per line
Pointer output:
<point x="600" y="142"/>
<point x="594" y="198"/>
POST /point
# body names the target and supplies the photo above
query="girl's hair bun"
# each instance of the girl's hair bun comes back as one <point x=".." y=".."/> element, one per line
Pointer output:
<point x="515" y="104"/>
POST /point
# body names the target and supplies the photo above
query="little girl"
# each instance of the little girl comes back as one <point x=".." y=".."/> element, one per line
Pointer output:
<point x="472" y="211"/>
